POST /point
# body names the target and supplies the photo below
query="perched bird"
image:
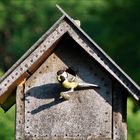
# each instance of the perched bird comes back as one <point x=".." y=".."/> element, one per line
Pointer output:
<point x="70" y="84"/>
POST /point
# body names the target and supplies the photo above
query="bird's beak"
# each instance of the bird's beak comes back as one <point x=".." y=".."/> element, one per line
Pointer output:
<point x="58" y="78"/>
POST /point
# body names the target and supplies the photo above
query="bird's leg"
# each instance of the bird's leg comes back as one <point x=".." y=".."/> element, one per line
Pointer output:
<point x="65" y="94"/>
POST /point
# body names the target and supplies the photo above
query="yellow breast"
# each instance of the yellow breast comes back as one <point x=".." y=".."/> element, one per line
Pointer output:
<point x="69" y="85"/>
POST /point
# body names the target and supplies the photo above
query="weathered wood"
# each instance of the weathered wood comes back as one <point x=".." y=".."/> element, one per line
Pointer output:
<point x="103" y="59"/>
<point x="119" y="112"/>
<point x="10" y="101"/>
<point x="62" y="138"/>
<point x="11" y="88"/>
<point x="20" y="114"/>
<point x="32" y="61"/>
<point x="34" y="58"/>
<point x="92" y="114"/>
<point x="88" y="113"/>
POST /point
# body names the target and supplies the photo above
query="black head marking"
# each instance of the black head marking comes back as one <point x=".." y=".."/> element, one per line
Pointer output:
<point x="62" y="78"/>
<point x="60" y="72"/>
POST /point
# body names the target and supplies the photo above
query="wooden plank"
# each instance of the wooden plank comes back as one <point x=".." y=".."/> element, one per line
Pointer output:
<point x="20" y="114"/>
<point x="61" y="138"/>
<point x="33" y="47"/>
<point x="32" y="59"/>
<point x="11" y="100"/>
<point x="88" y="113"/>
<point x="12" y="87"/>
<point x="119" y="112"/>
<point x="103" y="59"/>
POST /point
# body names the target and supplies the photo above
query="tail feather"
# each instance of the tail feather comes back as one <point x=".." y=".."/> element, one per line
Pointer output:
<point x="87" y="85"/>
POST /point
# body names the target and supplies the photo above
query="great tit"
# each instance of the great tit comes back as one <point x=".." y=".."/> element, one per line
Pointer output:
<point x="70" y="84"/>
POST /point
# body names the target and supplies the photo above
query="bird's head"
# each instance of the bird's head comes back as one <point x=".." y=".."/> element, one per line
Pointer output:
<point x="61" y="75"/>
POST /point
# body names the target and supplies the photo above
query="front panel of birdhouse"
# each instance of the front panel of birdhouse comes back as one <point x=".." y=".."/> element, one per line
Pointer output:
<point x="88" y="112"/>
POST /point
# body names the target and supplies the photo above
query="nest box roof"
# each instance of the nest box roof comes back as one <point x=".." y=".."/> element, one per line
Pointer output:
<point x="39" y="52"/>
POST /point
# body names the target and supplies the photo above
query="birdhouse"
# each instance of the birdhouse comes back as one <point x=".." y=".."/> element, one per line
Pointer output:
<point x="89" y="113"/>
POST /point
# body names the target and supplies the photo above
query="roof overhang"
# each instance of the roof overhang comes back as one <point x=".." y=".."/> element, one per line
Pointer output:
<point x="39" y="52"/>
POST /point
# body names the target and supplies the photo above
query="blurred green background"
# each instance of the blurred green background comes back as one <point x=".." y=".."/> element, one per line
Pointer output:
<point x="113" y="24"/>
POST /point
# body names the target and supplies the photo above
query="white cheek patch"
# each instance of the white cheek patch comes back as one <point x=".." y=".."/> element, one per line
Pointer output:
<point x="64" y="74"/>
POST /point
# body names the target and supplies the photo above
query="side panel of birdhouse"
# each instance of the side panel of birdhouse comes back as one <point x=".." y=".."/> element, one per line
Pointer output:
<point x="119" y="112"/>
<point x="20" y="118"/>
<point x="88" y="112"/>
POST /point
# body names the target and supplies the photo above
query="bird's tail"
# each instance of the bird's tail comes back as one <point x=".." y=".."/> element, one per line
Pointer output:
<point x="87" y="85"/>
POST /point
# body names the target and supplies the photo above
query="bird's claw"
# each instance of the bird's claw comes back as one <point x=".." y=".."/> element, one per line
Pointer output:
<point x="64" y="96"/>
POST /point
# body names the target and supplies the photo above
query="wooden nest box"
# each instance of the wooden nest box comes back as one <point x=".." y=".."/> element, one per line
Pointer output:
<point x="97" y="113"/>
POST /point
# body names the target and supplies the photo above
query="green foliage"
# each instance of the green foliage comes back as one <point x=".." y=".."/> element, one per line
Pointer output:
<point x="114" y="25"/>
<point x="1" y="72"/>
<point x="7" y="124"/>
<point x="133" y="122"/>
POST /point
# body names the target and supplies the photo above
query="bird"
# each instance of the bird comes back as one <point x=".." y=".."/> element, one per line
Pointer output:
<point x="70" y="84"/>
